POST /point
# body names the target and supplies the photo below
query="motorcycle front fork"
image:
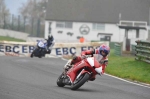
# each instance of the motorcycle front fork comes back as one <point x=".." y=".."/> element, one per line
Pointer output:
<point x="66" y="79"/>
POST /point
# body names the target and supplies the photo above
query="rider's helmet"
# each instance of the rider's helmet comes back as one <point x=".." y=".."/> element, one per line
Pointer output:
<point x="50" y="37"/>
<point x="104" y="50"/>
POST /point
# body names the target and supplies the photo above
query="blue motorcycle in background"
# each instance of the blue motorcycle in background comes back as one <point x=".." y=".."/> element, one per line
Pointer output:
<point x="40" y="49"/>
<point x="43" y="47"/>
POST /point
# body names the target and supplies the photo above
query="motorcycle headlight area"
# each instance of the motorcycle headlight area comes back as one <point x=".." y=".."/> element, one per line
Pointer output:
<point x="98" y="70"/>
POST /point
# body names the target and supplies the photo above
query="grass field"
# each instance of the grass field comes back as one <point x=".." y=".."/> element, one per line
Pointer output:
<point x="127" y="67"/>
<point x="6" y="38"/>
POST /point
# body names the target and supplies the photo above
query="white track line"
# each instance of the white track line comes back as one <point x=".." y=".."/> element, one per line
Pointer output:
<point x="144" y="85"/>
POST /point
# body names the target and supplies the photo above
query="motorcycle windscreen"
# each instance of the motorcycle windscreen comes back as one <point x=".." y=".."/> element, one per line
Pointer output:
<point x="94" y="61"/>
<point x="42" y="44"/>
<point x="98" y="57"/>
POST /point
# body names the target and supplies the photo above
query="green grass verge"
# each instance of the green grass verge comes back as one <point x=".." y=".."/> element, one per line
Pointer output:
<point x="127" y="67"/>
<point x="7" y="38"/>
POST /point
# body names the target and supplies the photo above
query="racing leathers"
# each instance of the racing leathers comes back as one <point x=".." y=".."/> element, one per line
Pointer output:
<point x="50" y="44"/>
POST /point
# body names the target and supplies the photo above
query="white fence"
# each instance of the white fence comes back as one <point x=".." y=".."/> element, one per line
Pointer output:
<point x="59" y="49"/>
<point x="14" y="34"/>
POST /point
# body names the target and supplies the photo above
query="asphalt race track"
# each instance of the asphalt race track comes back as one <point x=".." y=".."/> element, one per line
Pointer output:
<point x="35" y="78"/>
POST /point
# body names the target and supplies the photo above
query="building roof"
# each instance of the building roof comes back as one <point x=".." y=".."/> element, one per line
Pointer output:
<point x="103" y="11"/>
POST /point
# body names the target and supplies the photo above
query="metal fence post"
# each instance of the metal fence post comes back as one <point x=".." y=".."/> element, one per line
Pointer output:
<point x="38" y="27"/>
<point x="32" y="26"/>
<point x="118" y="49"/>
<point x="18" y="22"/>
<point x="4" y="27"/>
<point x="12" y="22"/>
<point x="24" y="23"/>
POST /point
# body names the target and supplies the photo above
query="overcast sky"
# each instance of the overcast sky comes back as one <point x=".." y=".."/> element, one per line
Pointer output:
<point x="13" y="5"/>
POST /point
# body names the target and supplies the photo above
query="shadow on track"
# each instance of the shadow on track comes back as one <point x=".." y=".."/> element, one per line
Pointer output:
<point x="80" y="89"/>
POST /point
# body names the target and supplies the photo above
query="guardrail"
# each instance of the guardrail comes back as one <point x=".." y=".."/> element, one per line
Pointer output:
<point x="142" y="51"/>
<point x="118" y="49"/>
<point x="133" y="52"/>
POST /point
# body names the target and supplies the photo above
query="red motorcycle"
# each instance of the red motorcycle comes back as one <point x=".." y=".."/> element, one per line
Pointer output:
<point x="81" y="72"/>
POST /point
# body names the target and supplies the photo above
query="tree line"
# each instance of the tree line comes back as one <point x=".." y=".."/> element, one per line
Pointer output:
<point x="30" y="14"/>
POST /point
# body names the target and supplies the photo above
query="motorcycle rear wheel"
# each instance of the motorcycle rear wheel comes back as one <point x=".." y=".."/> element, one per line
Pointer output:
<point x="79" y="83"/>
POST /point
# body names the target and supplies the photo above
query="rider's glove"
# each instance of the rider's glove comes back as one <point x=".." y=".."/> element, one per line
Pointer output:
<point x="103" y="61"/>
<point x="74" y="57"/>
<point x="83" y="56"/>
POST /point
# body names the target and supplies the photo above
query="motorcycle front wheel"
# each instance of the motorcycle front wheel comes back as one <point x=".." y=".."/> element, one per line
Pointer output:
<point x="34" y="53"/>
<point x="60" y="81"/>
<point x="80" y="81"/>
<point x="31" y="55"/>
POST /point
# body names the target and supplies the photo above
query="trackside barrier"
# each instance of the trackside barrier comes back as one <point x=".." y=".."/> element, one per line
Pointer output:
<point x="16" y="48"/>
<point x="59" y="49"/>
<point x="133" y="49"/>
<point x="142" y="51"/>
<point x="117" y="49"/>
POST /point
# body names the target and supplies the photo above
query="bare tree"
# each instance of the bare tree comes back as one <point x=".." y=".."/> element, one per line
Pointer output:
<point x="34" y="13"/>
<point x="4" y="13"/>
<point x="33" y="8"/>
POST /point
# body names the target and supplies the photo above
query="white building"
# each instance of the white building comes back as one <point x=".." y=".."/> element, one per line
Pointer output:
<point x="96" y="20"/>
<point x="72" y="31"/>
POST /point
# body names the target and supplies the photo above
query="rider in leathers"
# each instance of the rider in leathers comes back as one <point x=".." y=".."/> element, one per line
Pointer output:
<point x="103" y="50"/>
<point x="50" y="43"/>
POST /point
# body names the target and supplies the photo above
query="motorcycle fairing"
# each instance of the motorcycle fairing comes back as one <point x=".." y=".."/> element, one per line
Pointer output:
<point x="41" y="44"/>
<point x="98" y="70"/>
<point x="74" y="71"/>
<point x="77" y="68"/>
<point x="92" y="63"/>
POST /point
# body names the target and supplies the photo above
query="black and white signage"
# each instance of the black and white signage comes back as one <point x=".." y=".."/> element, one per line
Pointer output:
<point x="84" y="29"/>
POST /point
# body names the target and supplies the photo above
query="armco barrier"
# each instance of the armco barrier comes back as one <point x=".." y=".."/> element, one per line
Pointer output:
<point x="117" y="49"/>
<point x="133" y="49"/>
<point x="143" y="51"/>
<point x="59" y="49"/>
